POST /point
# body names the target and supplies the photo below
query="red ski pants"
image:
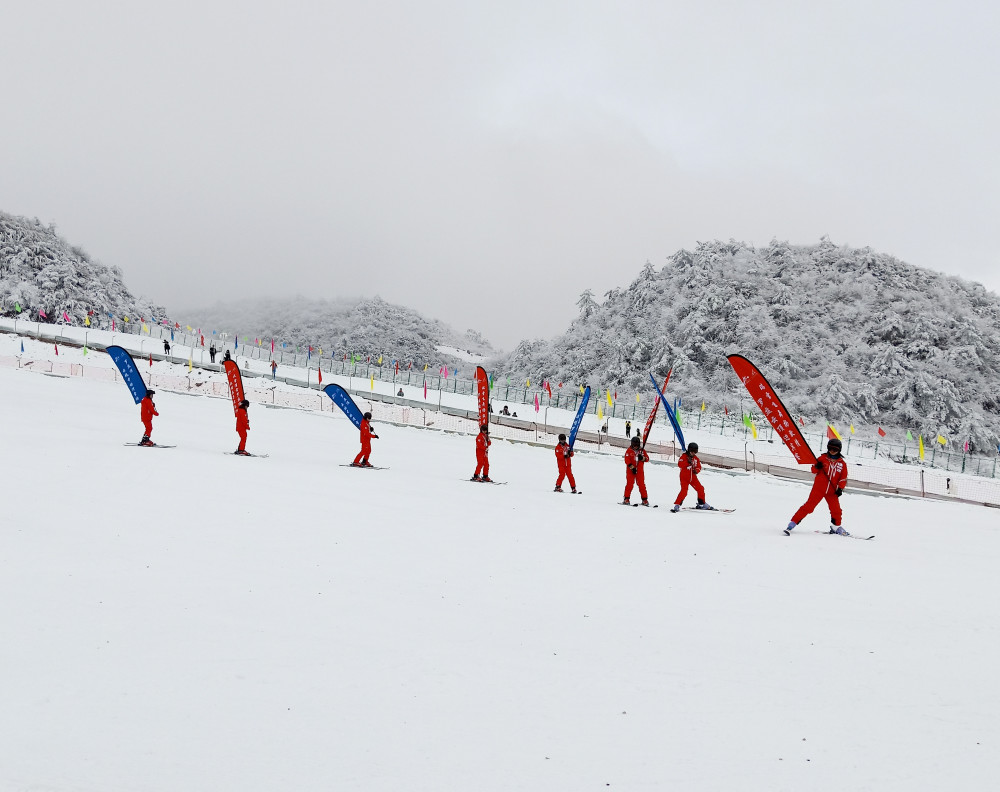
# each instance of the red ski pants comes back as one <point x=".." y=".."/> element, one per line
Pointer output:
<point x="148" y="427"/>
<point x="639" y="477"/>
<point x="821" y="489"/>
<point x="689" y="478"/>
<point x="482" y="464"/>
<point x="566" y="471"/>
<point x="366" y="449"/>
<point x="243" y="440"/>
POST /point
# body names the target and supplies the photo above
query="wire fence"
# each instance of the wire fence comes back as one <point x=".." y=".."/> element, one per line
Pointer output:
<point x="197" y="347"/>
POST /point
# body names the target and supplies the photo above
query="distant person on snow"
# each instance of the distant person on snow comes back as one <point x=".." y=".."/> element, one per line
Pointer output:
<point x="564" y="457"/>
<point x="166" y="347"/>
<point x="483" y="454"/>
<point x="242" y="426"/>
<point x="635" y="458"/>
<point x="146" y="412"/>
<point x="226" y="357"/>
<point x="211" y="353"/>
<point x="274" y="368"/>
<point x="831" y="479"/>
<point x="400" y="392"/>
<point x="628" y="428"/>
<point x="690" y="467"/>
<point x="361" y="460"/>
<point x="505" y="411"/>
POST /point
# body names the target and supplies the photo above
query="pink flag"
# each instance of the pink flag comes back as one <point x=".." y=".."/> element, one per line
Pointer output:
<point x="57" y="350"/>
<point x="425" y="389"/>
<point x="966" y="449"/>
<point x="536" y="402"/>
<point x="150" y="358"/>
<point x="65" y="316"/>
<point x="41" y="313"/>
<point x="272" y="346"/>
<point x="112" y="324"/>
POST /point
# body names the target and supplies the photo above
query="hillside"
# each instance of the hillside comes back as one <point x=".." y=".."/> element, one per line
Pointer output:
<point x="40" y="271"/>
<point x="849" y="335"/>
<point x="359" y="326"/>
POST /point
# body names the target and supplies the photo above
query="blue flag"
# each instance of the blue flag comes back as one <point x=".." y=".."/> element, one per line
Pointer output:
<point x="670" y="414"/>
<point x="579" y="417"/>
<point x="130" y="374"/>
<point x="344" y="401"/>
<point x="236" y="343"/>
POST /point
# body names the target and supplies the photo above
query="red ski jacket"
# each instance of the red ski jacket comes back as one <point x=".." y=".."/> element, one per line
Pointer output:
<point x="242" y="421"/>
<point x="482" y="444"/>
<point x="635" y="458"/>
<point x="689" y="462"/>
<point x="563" y="455"/>
<point x="147" y="409"/>
<point x="833" y="475"/>
<point x="366" y="432"/>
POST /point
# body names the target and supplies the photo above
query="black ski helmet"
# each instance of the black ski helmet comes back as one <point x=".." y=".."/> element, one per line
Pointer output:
<point x="833" y="444"/>
<point x="692" y="448"/>
<point x="150" y="392"/>
<point x="244" y="404"/>
<point x="484" y="428"/>
<point x="635" y="441"/>
<point x="368" y="416"/>
<point x="562" y="438"/>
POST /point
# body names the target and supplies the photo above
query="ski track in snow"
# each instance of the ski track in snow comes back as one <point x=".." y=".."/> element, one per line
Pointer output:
<point x="194" y="621"/>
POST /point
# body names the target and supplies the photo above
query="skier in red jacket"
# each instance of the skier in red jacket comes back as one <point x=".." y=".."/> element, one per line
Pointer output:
<point x="242" y="427"/>
<point x="831" y="479"/>
<point x="483" y="454"/>
<point x="146" y="412"/>
<point x="690" y="467"/>
<point x="635" y="458"/>
<point x="564" y="459"/>
<point x="361" y="460"/>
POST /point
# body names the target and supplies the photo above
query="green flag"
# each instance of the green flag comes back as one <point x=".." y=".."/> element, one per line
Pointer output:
<point x="17" y="307"/>
<point x="746" y="421"/>
<point x="908" y="435"/>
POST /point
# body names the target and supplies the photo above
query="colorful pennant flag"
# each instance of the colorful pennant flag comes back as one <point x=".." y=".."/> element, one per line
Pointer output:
<point x="881" y="432"/>
<point x="941" y="440"/>
<point x="920" y="439"/>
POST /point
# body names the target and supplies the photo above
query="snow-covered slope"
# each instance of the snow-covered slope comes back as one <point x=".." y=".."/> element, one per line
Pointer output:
<point x="40" y="271"/>
<point x="845" y="335"/>
<point x="186" y="619"/>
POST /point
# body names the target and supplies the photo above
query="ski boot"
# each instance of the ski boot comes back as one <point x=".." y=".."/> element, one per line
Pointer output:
<point x="486" y="479"/>
<point x="626" y="502"/>
<point x="475" y="478"/>
<point x="675" y="508"/>
<point x="838" y="529"/>
<point x="558" y="489"/>
<point x="788" y="530"/>
<point x="146" y="441"/>
<point x="645" y="502"/>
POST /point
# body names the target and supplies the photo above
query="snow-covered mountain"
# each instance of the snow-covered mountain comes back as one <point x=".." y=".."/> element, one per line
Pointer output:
<point x="845" y="334"/>
<point x="41" y="271"/>
<point x="353" y="326"/>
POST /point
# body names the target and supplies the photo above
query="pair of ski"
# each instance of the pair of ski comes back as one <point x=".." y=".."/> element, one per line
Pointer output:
<point x="685" y="508"/>
<point x="364" y="467"/>
<point x="848" y="536"/>
<point x="228" y="453"/>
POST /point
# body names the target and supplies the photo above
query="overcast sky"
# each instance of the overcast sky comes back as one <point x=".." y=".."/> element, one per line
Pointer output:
<point x="485" y="163"/>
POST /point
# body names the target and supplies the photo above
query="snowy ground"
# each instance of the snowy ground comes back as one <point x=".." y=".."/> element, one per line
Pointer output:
<point x="181" y="619"/>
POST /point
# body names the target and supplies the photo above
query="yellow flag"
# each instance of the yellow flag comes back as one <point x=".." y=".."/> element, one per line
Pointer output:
<point x="379" y="357"/>
<point x="835" y="432"/>
<point x="637" y="399"/>
<point x="600" y="413"/>
<point x="581" y="389"/>
<point x="703" y="406"/>
<point x="753" y="428"/>
<point x="941" y="440"/>
<point x="608" y="394"/>
<point x="86" y="321"/>
<point x="145" y="328"/>
<point x="125" y="318"/>
<point x="190" y="364"/>
<point x="852" y="428"/>
<point x="920" y="443"/>
<point x="425" y="367"/>
<point x="528" y="383"/>
<point x="373" y="382"/>
<point x="189" y="328"/>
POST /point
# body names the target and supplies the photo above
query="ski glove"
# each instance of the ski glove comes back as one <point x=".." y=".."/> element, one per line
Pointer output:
<point x="819" y="464"/>
<point x="840" y="491"/>
<point x="632" y="468"/>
